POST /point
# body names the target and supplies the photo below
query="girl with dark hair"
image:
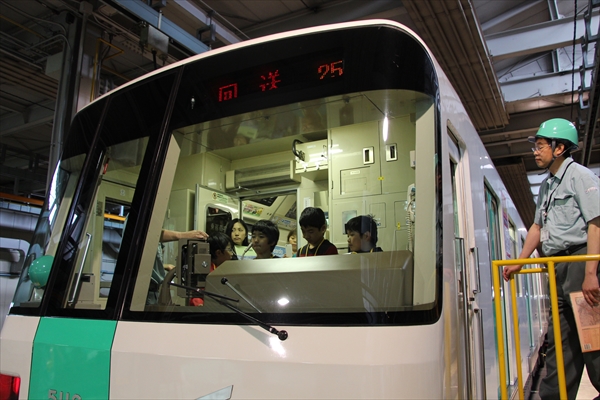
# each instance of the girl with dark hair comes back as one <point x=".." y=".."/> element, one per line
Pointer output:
<point x="238" y="231"/>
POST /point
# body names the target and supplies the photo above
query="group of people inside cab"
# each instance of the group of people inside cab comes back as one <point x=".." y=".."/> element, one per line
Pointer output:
<point x="361" y="231"/>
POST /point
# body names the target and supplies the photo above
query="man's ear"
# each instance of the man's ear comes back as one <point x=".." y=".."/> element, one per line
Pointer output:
<point x="560" y="149"/>
<point x="367" y="236"/>
<point x="323" y="229"/>
<point x="218" y="253"/>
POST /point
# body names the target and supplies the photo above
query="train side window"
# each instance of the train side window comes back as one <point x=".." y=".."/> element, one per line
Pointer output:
<point x="100" y="228"/>
<point x="62" y="189"/>
<point x="97" y="252"/>
<point x="40" y="258"/>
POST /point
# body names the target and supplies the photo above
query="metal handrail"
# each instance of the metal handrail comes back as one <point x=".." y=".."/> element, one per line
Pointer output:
<point x="550" y="261"/>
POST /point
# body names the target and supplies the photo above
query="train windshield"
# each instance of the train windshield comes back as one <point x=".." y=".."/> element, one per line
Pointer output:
<point x="314" y="173"/>
<point x="364" y="160"/>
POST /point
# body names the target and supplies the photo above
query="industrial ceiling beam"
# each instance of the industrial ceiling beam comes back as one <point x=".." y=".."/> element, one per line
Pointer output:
<point x="537" y="38"/>
<point x="221" y="32"/>
<point x="505" y="18"/>
<point x="34" y="116"/>
<point x="23" y="174"/>
<point x="451" y="29"/>
<point x="527" y="121"/>
<point x="158" y="21"/>
<point x="540" y="86"/>
<point x="591" y="110"/>
<point x="327" y="13"/>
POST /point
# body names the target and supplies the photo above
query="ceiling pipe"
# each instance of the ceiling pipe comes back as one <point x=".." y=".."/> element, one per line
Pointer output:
<point x="98" y="63"/>
<point x="68" y="88"/>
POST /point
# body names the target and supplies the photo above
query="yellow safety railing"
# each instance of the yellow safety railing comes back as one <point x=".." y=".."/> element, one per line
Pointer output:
<point x="550" y="261"/>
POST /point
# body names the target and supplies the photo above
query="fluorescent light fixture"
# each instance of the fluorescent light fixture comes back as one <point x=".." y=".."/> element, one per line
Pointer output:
<point x="385" y="128"/>
<point x="283" y="301"/>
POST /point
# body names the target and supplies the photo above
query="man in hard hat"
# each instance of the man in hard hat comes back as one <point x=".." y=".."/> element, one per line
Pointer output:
<point x="566" y="222"/>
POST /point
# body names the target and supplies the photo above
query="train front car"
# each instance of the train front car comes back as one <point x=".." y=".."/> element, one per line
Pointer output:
<point x="343" y="118"/>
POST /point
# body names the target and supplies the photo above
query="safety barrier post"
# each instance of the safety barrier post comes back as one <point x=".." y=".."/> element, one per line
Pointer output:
<point x="499" y="332"/>
<point x="515" y="312"/>
<point x="560" y="364"/>
<point x="550" y="261"/>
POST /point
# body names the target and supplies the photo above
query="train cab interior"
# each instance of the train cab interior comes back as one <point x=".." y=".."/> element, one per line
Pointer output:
<point x="368" y="153"/>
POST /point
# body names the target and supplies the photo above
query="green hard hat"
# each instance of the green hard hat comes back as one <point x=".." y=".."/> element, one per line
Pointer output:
<point x="557" y="128"/>
<point x="40" y="269"/>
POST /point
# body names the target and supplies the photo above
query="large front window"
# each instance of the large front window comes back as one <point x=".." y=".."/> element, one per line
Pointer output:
<point x="361" y="154"/>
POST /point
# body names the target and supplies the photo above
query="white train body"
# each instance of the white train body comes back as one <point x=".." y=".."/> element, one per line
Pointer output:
<point x="413" y="321"/>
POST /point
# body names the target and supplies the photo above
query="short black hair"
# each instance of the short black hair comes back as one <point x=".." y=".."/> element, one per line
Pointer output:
<point x="363" y="224"/>
<point x="269" y="229"/>
<point x="229" y="228"/>
<point x="312" y="217"/>
<point x="219" y="241"/>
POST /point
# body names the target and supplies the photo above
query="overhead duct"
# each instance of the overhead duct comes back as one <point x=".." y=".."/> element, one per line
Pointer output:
<point x="265" y="175"/>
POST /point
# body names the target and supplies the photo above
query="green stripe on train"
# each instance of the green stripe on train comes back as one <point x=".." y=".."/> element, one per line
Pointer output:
<point x="71" y="359"/>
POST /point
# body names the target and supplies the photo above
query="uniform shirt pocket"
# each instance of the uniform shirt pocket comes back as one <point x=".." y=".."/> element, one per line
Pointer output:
<point x="564" y="208"/>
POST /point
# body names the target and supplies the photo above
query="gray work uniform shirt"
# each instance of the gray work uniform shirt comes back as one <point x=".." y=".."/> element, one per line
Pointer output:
<point x="566" y="203"/>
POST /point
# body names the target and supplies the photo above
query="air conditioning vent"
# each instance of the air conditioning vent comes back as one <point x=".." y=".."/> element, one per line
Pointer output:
<point x="265" y="175"/>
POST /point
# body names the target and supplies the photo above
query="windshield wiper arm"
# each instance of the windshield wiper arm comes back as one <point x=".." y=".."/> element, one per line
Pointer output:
<point x="202" y="291"/>
<point x="281" y="334"/>
<point x="225" y="281"/>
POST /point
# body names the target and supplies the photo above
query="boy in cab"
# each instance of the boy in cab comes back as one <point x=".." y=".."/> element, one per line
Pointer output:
<point x="314" y="225"/>
<point x="362" y="235"/>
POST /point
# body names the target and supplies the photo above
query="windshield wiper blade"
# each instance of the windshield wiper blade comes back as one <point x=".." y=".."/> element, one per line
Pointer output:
<point x="281" y="334"/>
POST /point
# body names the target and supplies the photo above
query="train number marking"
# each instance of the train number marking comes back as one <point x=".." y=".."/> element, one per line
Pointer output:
<point x="56" y="395"/>
<point x="331" y="70"/>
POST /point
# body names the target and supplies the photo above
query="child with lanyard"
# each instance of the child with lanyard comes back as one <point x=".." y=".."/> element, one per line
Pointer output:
<point x="313" y="225"/>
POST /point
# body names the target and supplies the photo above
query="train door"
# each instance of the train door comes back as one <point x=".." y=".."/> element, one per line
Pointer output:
<point x="494" y="229"/>
<point x="471" y="377"/>
<point x="529" y="311"/>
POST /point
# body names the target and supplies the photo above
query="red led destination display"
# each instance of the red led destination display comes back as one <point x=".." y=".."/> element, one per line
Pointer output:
<point x="297" y="73"/>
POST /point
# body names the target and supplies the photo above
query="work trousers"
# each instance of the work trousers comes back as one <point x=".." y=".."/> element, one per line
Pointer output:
<point x="569" y="278"/>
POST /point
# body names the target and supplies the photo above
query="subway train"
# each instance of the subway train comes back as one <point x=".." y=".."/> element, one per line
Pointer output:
<point x="355" y="119"/>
